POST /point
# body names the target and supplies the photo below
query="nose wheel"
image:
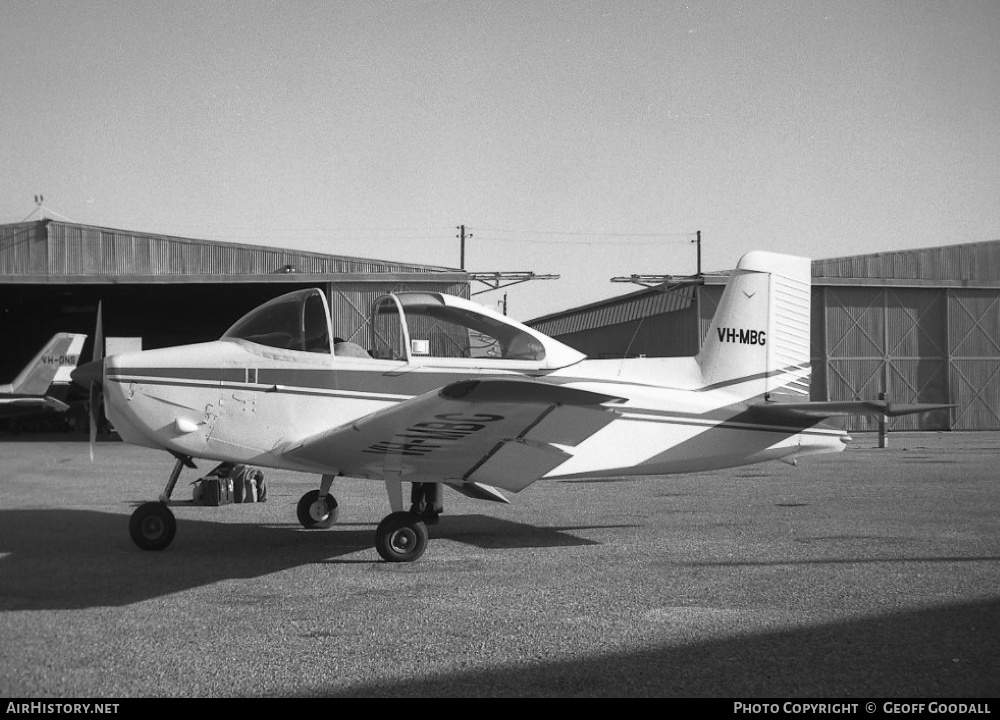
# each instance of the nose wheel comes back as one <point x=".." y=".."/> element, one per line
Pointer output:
<point x="152" y="526"/>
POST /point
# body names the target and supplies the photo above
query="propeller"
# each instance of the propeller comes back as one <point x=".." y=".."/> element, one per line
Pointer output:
<point x="91" y="376"/>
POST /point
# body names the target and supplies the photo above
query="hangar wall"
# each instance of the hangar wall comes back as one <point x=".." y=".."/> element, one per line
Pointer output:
<point x="663" y="322"/>
<point x="170" y="290"/>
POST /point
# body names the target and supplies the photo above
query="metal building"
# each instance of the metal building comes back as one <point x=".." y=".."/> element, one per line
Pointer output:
<point x="918" y="325"/>
<point x="159" y="290"/>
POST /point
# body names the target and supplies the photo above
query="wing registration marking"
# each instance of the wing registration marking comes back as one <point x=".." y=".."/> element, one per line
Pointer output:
<point x="427" y="436"/>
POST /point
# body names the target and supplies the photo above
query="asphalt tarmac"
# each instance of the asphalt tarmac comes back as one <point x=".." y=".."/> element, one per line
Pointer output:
<point x="874" y="573"/>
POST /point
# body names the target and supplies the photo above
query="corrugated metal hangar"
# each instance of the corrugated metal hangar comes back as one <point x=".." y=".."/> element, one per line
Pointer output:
<point x="918" y="325"/>
<point x="171" y="290"/>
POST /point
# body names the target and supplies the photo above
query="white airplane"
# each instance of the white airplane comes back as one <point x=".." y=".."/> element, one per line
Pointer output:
<point x="44" y="382"/>
<point x="450" y="392"/>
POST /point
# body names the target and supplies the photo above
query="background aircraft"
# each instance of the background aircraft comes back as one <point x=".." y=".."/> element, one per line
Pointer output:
<point x="44" y="382"/>
<point x="450" y="392"/>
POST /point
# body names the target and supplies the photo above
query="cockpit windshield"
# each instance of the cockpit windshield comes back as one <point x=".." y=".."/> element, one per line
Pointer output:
<point x="297" y="321"/>
<point x="419" y="328"/>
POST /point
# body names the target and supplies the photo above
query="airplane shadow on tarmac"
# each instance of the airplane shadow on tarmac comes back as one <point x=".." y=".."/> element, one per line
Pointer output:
<point x="952" y="651"/>
<point x="76" y="559"/>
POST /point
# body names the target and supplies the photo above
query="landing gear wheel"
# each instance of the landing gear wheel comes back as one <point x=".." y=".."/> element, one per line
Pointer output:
<point x="314" y="514"/>
<point x="152" y="526"/>
<point x="401" y="537"/>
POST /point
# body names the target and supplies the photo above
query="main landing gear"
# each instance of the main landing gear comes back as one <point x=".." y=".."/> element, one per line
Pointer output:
<point x="400" y="537"/>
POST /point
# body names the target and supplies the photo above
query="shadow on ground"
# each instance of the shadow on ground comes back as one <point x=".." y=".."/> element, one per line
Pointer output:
<point x="947" y="652"/>
<point x="72" y="559"/>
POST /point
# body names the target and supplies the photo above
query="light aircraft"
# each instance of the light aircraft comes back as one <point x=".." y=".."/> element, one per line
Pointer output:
<point x="44" y="382"/>
<point x="450" y="392"/>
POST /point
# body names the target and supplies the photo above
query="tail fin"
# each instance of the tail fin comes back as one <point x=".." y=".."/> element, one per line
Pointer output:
<point x="759" y="337"/>
<point x="52" y="365"/>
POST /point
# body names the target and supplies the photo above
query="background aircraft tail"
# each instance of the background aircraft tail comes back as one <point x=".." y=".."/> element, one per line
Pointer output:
<point x="52" y="365"/>
<point x="758" y="343"/>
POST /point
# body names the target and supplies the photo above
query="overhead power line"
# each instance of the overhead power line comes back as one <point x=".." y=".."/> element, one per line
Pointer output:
<point x="593" y="233"/>
<point x="549" y="237"/>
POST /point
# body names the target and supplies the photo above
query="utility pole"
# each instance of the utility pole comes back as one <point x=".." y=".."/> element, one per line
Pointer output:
<point x="462" y="235"/>
<point x="657" y="281"/>
<point x="697" y="240"/>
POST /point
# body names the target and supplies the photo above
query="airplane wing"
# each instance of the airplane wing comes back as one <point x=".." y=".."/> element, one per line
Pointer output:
<point x="473" y="434"/>
<point x="831" y="408"/>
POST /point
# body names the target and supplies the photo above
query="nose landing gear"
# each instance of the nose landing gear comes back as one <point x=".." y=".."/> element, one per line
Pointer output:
<point x="152" y="526"/>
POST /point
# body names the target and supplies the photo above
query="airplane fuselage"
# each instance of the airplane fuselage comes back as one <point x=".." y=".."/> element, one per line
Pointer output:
<point x="236" y="401"/>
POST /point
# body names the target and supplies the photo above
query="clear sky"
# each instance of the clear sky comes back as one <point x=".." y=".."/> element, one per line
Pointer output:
<point x="584" y="139"/>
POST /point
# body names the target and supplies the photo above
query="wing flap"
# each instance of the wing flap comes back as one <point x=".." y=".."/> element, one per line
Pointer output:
<point x="496" y="432"/>
<point x="477" y="491"/>
<point x="517" y="463"/>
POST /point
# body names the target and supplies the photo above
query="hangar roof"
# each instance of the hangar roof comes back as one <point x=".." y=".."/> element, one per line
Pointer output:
<point x="613" y="311"/>
<point x="51" y="251"/>
<point x="974" y="264"/>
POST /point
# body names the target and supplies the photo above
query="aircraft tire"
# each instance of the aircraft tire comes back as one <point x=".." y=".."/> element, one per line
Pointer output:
<point x="152" y="526"/>
<point x="312" y="515"/>
<point x="401" y="537"/>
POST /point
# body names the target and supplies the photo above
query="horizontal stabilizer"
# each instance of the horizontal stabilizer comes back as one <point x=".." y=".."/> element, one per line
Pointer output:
<point x="35" y="402"/>
<point x="56" y="404"/>
<point x="832" y="408"/>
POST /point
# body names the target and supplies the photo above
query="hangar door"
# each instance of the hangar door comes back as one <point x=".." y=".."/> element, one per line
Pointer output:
<point x="883" y="340"/>
<point x="974" y="339"/>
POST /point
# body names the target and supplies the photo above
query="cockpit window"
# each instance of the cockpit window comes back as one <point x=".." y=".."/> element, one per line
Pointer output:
<point x="296" y="321"/>
<point x="434" y="329"/>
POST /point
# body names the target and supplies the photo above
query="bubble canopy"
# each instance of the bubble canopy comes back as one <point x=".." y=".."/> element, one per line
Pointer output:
<point x="422" y="328"/>
<point x="299" y="321"/>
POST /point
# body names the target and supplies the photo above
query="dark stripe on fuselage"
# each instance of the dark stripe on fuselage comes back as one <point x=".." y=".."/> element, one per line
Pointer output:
<point x="307" y="381"/>
<point x="748" y="378"/>
<point x="335" y="378"/>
